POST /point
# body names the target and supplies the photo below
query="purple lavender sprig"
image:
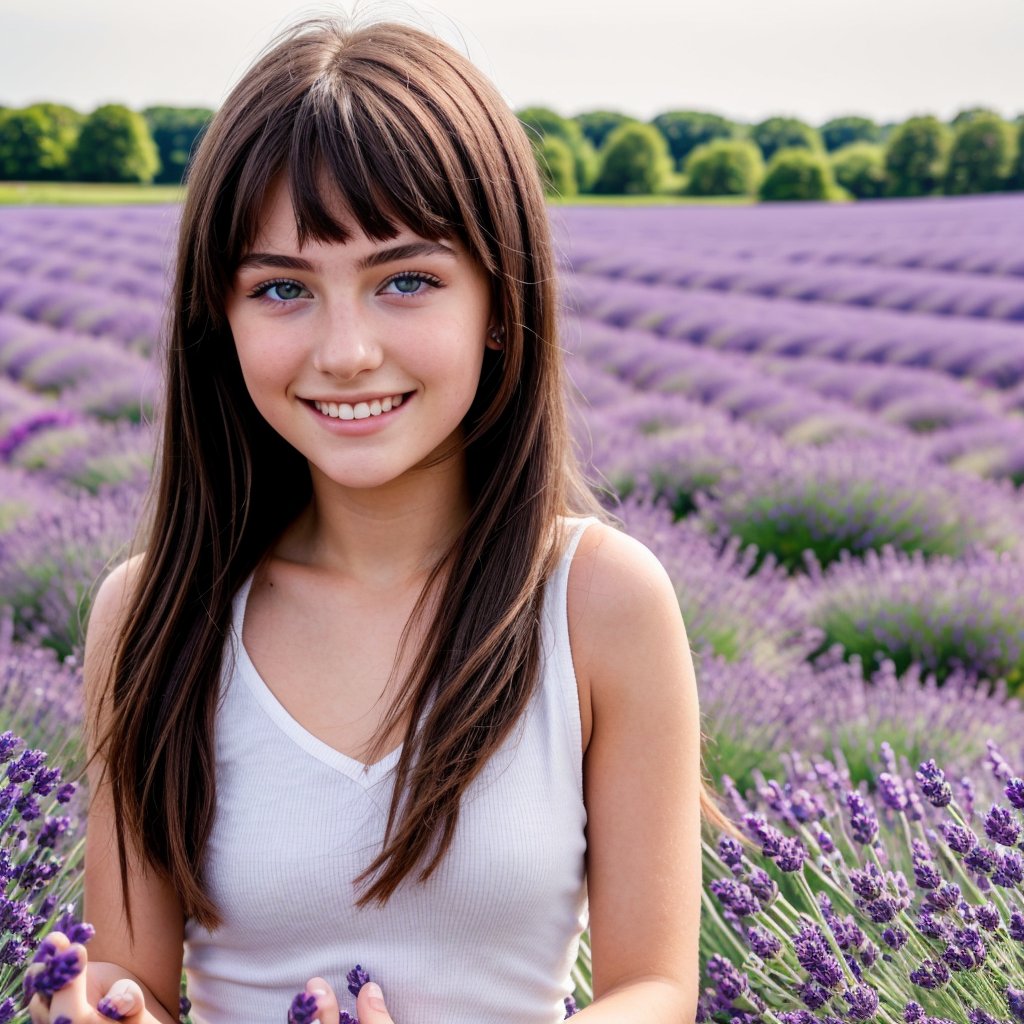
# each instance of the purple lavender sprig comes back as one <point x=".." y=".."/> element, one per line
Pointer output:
<point x="303" y="1007"/>
<point x="904" y="907"/>
<point x="35" y="878"/>
<point x="58" y="968"/>
<point x="356" y="979"/>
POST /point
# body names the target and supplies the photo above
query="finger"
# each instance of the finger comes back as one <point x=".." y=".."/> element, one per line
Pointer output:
<point x="53" y="942"/>
<point x="326" y="1001"/>
<point x="124" y="1000"/>
<point x="28" y="985"/>
<point x="370" y="1008"/>
<point x="38" y="1010"/>
<point x="70" y="1000"/>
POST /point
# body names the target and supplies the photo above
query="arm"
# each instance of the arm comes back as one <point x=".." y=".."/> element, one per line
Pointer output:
<point x="641" y="782"/>
<point x="154" y="961"/>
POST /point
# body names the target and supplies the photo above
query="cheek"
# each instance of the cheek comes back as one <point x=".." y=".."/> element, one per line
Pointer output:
<point x="265" y="363"/>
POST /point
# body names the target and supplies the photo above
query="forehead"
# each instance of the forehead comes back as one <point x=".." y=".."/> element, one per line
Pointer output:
<point x="276" y="224"/>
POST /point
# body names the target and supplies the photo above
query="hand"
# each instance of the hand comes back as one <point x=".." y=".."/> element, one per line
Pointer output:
<point x="370" y="1008"/>
<point x="97" y="994"/>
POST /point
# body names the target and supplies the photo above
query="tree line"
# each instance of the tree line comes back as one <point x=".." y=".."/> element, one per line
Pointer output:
<point x="54" y="142"/>
<point x="679" y="152"/>
<point x="687" y="152"/>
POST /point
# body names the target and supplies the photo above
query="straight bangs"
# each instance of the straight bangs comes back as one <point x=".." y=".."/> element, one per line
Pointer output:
<point x="360" y="137"/>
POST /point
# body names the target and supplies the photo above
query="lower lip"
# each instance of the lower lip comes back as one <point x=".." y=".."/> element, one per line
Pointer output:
<point x="357" y="428"/>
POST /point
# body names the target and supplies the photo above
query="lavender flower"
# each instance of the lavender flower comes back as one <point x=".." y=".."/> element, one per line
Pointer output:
<point x="1015" y="1003"/>
<point x="58" y="969"/>
<point x="1000" y="826"/>
<point x="735" y="897"/>
<point x="302" y="1009"/>
<point x="863" y="1002"/>
<point x="1015" y="793"/>
<point x="862" y="818"/>
<point x="932" y="781"/>
<point x="356" y="979"/>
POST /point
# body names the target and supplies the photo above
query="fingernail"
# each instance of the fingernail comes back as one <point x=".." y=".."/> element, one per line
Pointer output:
<point x="110" y="1007"/>
<point x="119" y="1001"/>
<point x="376" y="997"/>
<point x="318" y="992"/>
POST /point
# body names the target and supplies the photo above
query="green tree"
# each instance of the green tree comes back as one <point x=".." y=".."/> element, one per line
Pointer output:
<point x="785" y="133"/>
<point x="597" y="125"/>
<point x="176" y="132"/>
<point x="114" y="145"/>
<point x="685" y="130"/>
<point x="843" y="131"/>
<point x="969" y="114"/>
<point x="860" y="169"/>
<point x="799" y="173"/>
<point x="1015" y="179"/>
<point x="35" y="142"/>
<point x="541" y="122"/>
<point x="916" y="157"/>
<point x="982" y="156"/>
<point x="724" y="167"/>
<point x="636" y="161"/>
<point x="557" y="167"/>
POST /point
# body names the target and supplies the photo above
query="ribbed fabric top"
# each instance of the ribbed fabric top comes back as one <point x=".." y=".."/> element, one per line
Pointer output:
<point x="489" y="938"/>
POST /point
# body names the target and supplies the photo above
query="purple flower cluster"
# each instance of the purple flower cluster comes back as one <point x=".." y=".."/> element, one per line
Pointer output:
<point x="941" y="613"/>
<point x="865" y="942"/>
<point x="858" y="496"/>
<point x="758" y="714"/>
<point x="48" y="565"/>
<point x="36" y="822"/>
<point x="729" y="604"/>
<point x="304" y="1006"/>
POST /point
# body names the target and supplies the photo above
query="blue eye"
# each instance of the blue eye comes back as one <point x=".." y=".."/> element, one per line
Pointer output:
<point x="409" y="283"/>
<point x="282" y="286"/>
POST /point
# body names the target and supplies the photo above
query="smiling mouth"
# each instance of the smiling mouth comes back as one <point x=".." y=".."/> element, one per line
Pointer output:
<point x="360" y="410"/>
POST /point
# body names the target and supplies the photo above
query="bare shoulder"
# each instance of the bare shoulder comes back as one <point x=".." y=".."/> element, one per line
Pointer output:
<point x="617" y="584"/>
<point x="624" y="622"/>
<point x="116" y="589"/>
<point x="106" y="616"/>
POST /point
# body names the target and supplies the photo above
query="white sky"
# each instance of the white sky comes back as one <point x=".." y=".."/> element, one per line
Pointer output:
<point x="746" y="59"/>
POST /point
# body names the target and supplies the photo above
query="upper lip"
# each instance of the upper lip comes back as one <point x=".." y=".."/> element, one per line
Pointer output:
<point x="356" y="399"/>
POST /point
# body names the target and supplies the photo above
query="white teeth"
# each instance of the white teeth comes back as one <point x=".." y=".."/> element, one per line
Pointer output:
<point x="359" y="411"/>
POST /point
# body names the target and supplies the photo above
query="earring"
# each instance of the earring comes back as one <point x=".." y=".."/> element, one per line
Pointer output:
<point x="497" y="336"/>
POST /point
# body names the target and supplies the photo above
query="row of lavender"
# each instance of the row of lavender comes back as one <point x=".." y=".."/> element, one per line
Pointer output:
<point x="837" y="462"/>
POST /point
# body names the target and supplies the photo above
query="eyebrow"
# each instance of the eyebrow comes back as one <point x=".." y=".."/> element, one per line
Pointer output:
<point x="374" y="259"/>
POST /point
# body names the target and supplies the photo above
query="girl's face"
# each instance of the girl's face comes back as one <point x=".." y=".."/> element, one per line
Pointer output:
<point x="364" y="356"/>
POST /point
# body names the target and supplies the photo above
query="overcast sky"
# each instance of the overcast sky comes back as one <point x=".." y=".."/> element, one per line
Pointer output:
<point x="746" y="59"/>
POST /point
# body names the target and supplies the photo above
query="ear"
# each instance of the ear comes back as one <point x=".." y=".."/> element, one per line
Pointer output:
<point x="495" y="339"/>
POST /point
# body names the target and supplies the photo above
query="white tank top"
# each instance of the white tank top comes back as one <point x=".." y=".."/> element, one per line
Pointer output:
<point x="490" y="937"/>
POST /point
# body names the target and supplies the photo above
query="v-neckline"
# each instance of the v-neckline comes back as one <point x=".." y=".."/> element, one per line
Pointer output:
<point x="364" y="774"/>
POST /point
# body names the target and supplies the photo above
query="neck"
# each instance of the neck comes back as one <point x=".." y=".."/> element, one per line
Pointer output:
<point x="385" y="536"/>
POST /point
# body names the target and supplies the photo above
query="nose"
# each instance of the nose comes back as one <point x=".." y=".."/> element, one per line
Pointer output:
<point x="347" y="345"/>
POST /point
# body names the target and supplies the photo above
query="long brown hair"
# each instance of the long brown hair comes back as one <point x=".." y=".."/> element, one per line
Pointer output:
<point x="410" y="134"/>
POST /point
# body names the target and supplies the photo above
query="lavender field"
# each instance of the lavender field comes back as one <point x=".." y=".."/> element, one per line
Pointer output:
<point x="814" y="415"/>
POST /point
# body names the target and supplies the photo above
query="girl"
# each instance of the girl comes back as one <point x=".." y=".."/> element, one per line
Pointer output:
<point x="384" y="686"/>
